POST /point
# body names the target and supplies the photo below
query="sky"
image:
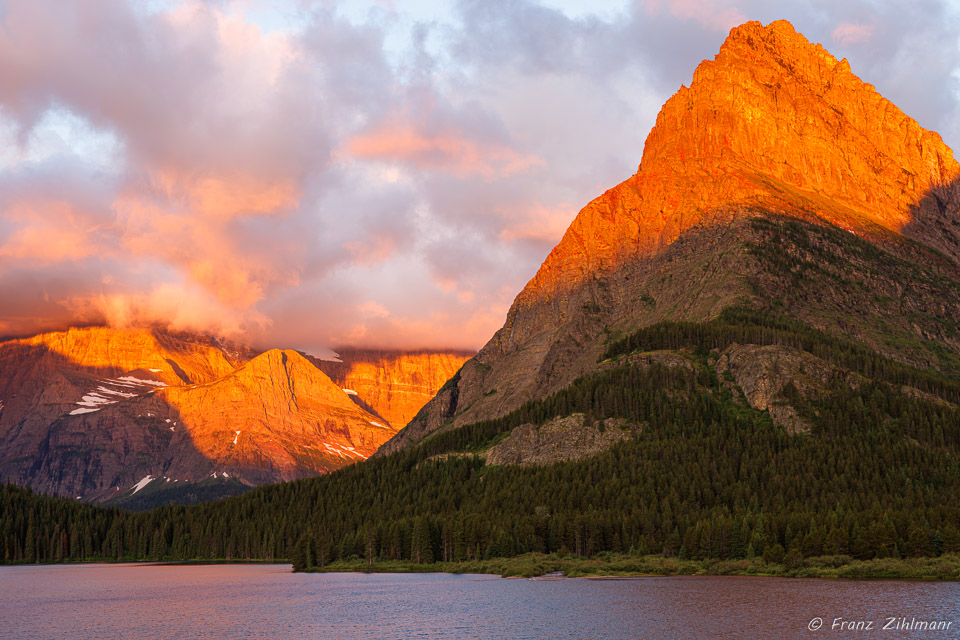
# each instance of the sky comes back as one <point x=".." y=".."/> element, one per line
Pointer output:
<point x="373" y="172"/>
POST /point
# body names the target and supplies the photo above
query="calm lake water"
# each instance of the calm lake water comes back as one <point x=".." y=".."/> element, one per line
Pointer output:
<point x="268" y="601"/>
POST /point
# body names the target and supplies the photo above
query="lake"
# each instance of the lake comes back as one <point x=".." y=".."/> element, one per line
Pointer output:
<point x="268" y="601"/>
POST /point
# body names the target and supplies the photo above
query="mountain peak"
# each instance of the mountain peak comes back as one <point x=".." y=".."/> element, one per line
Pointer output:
<point x="286" y="374"/>
<point x="754" y="34"/>
<point x="773" y="121"/>
<point x="754" y="53"/>
<point x="773" y="126"/>
<point x="776" y="119"/>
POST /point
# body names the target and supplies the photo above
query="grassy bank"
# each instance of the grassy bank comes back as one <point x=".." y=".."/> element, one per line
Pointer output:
<point x="946" y="567"/>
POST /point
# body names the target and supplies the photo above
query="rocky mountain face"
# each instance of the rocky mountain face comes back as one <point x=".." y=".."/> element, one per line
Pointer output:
<point x="561" y="439"/>
<point x="772" y="121"/>
<point x="392" y="384"/>
<point x="104" y="414"/>
<point x="777" y="180"/>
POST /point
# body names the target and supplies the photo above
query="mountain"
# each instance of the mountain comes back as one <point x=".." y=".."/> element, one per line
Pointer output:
<point x="392" y="384"/>
<point x="747" y="354"/>
<point x="146" y="416"/>
<point x="778" y="181"/>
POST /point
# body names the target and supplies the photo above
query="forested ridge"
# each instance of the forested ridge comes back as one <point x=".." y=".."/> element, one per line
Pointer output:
<point x="701" y="476"/>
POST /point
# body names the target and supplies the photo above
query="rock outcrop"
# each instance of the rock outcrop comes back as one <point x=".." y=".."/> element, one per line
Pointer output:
<point x="760" y="373"/>
<point x="558" y="440"/>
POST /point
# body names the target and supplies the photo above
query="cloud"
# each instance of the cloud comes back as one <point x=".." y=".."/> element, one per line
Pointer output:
<point x="403" y="143"/>
<point x="427" y="132"/>
<point x="536" y="223"/>
<point x="181" y="308"/>
<point x="55" y="211"/>
<point x="372" y="171"/>
<point x="849" y="33"/>
<point x="713" y="15"/>
<point x="46" y="242"/>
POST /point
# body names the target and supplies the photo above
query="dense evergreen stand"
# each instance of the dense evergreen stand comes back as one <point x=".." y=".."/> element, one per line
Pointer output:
<point x="703" y="477"/>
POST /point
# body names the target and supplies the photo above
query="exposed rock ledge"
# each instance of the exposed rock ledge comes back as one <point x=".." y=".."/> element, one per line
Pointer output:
<point x="761" y="372"/>
<point x="560" y="439"/>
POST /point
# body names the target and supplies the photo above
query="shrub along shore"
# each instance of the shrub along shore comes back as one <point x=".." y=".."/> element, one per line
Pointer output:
<point x="531" y="565"/>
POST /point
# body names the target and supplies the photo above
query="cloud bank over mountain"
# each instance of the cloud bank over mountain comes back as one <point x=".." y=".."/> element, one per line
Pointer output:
<point x="380" y="173"/>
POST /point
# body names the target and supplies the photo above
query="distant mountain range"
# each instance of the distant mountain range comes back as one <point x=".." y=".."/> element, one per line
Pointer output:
<point x="147" y="416"/>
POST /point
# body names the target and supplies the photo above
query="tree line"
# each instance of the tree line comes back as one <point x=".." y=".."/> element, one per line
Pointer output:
<point x="701" y="475"/>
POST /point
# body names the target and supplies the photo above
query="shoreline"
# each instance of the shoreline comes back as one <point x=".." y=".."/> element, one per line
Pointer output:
<point x="608" y="566"/>
<point x="145" y="563"/>
<point x="618" y="566"/>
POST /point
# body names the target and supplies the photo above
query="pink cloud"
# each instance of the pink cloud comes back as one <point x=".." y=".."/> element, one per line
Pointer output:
<point x="48" y="236"/>
<point x="849" y="33"/>
<point x="537" y="223"/>
<point x="447" y="151"/>
<point x="460" y="330"/>
<point x="50" y="230"/>
<point x="711" y="14"/>
<point x="230" y="196"/>
<point x="181" y="307"/>
<point x="226" y="206"/>
<point x="372" y="250"/>
<point x="203" y="251"/>
<point x="371" y="309"/>
<point x="206" y="107"/>
<point x="46" y="243"/>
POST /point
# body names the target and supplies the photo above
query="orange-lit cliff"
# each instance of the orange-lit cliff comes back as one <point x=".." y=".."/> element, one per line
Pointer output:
<point x="393" y="384"/>
<point x="774" y="121"/>
<point x="101" y="413"/>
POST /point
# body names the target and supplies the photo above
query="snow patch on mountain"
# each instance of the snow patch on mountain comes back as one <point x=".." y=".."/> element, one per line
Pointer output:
<point x="93" y="399"/>
<point x="323" y="353"/>
<point x="115" y="392"/>
<point x="112" y="390"/>
<point x="141" y="381"/>
<point x="143" y="482"/>
<point x="343" y="451"/>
